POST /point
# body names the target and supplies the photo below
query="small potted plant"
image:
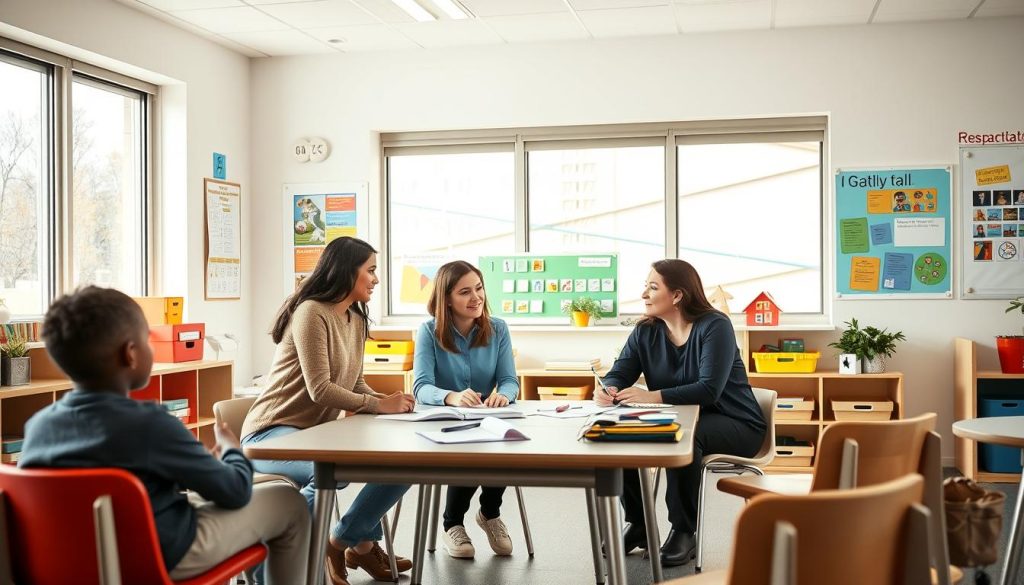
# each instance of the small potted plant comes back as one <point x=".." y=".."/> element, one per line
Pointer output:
<point x="17" y="366"/>
<point x="1011" y="347"/>
<point x="851" y="348"/>
<point x="879" y="345"/>
<point x="582" y="309"/>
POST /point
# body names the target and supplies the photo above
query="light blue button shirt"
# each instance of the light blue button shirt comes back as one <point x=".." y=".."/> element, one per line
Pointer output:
<point x="438" y="372"/>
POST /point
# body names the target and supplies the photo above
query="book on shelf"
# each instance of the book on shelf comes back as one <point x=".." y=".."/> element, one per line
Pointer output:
<point x="27" y="330"/>
<point x="181" y="413"/>
<point x="455" y="413"/>
<point x="174" y="404"/>
<point x="573" y="365"/>
<point x="11" y="443"/>
<point x="489" y="430"/>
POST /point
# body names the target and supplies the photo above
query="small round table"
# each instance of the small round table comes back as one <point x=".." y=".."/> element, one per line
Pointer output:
<point x="1008" y="431"/>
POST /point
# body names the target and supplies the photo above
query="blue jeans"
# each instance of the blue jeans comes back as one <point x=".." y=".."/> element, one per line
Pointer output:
<point x="362" y="520"/>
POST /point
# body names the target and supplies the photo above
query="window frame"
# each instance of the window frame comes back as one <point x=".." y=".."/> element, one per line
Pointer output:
<point x="62" y="72"/>
<point x="805" y="128"/>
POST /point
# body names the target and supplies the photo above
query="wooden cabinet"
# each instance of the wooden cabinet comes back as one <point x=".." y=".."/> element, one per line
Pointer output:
<point x="969" y="386"/>
<point x="202" y="383"/>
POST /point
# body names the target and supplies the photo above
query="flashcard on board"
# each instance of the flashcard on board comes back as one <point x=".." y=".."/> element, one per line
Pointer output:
<point x="537" y="306"/>
<point x="522" y="265"/>
<point x="607" y="285"/>
<point x="565" y="285"/>
<point x="552" y="285"/>
<point x="522" y="306"/>
<point x="537" y="265"/>
<point x="508" y="266"/>
<point x="607" y="306"/>
<point x="522" y="285"/>
<point x="580" y="285"/>
<point x="593" y="285"/>
<point x="508" y="306"/>
<point x="564" y="304"/>
<point x="537" y="286"/>
<point x="508" y="286"/>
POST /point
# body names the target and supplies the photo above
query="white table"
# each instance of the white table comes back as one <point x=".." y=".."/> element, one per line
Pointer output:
<point x="1008" y="431"/>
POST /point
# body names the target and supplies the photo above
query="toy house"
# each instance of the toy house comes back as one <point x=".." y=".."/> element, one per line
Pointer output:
<point x="763" y="311"/>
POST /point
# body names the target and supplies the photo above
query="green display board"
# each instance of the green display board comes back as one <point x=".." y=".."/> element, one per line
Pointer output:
<point x="527" y="286"/>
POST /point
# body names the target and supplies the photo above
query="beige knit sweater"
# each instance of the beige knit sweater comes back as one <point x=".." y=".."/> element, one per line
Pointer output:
<point x="317" y="371"/>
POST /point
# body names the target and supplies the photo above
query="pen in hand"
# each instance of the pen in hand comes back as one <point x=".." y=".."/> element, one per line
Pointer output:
<point x="460" y="427"/>
<point x="603" y="387"/>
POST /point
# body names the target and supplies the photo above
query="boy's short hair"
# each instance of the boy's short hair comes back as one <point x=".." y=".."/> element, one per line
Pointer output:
<point x="83" y="330"/>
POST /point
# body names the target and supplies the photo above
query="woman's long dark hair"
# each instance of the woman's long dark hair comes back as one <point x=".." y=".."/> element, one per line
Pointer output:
<point x="444" y="283"/>
<point x="331" y="281"/>
<point x="680" y="275"/>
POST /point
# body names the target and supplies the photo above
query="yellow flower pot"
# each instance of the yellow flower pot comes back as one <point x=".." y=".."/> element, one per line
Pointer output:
<point x="580" y="319"/>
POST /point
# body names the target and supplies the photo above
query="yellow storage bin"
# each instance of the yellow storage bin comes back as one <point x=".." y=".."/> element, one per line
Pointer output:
<point x="862" y="410"/>
<point x="794" y="409"/>
<point x="788" y="363"/>
<point x="389" y="347"/>
<point x="563" y="392"/>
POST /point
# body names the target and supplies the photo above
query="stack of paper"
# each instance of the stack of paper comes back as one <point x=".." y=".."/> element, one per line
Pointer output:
<point x="573" y="365"/>
<point x="489" y="430"/>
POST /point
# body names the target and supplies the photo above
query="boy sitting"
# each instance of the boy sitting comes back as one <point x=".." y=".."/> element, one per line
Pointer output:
<point x="99" y="338"/>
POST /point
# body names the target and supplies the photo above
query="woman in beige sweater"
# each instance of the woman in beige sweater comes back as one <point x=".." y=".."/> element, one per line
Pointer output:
<point x="320" y="333"/>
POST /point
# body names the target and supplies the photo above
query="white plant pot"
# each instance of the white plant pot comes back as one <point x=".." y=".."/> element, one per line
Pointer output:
<point x="849" y="363"/>
<point x="875" y="365"/>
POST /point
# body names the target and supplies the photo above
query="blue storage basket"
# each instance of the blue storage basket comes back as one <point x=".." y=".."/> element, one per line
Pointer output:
<point x="998" y="458"/>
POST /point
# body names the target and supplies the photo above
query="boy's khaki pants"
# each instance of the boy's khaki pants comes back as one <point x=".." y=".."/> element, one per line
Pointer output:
<point x="276" y="515"/>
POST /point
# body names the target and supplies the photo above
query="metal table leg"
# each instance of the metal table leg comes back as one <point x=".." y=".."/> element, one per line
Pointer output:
<point x="1011" y="568"/>
<point x="435" y="511"/>
<point x="323" y="503"/>
<point x="609" y="488"/>
<point x="651" y="521"/>
<point x="595" y="535"/>
<point x="420" y="538"/>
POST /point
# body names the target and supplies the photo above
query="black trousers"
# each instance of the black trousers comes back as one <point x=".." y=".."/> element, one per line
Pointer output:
<point x="458" y="499"/>
<point x="716" y="433"/>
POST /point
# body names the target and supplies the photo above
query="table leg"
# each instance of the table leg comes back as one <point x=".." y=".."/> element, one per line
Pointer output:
<point x="1011" y="568"/>
<point x="420" y="537"/>
<point x="323" y="503"/>
<point x="651" y="520"/>
<point x="595" y="535"/>
<point x="609" y="488"/>
<point x="435" y="511"/>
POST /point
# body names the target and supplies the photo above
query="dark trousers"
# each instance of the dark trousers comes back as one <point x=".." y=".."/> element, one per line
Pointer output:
<point x="458" y="499"/>
<point x="716" y="433"/>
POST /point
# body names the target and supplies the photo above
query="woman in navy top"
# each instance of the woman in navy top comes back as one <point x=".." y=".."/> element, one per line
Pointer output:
<point x="687" y="352"/>
<point x="464" y="358"/>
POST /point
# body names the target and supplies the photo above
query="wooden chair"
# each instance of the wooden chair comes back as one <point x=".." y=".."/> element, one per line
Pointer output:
<point x="856" y="454"/>
<point x="876" y="534"/>
<point x="89" y="527"/>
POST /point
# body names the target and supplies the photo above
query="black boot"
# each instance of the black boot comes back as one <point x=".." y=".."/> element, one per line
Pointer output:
<point x="679" y="548"/>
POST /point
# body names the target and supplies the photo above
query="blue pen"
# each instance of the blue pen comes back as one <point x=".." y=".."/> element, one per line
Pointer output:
<point x="460" y="427"/>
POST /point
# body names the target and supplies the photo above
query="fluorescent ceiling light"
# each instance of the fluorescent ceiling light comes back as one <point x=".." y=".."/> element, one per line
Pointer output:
<point x="413" y="9"/>
<point x="451" y="8"/>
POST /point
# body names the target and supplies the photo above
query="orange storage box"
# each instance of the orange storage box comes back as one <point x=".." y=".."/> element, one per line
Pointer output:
<point x="177" y="343"/>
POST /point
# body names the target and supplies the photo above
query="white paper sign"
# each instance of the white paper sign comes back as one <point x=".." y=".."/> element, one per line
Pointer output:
<point x="587" y="262"/>
<point x="919" y="231"/>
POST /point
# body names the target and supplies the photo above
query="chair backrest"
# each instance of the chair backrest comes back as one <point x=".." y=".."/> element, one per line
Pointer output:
<point x="843" y="537"/>
<point x="766" y="399"/>
<point x="233" y="412"/>
<point x="886" y="450"/>
<point x="52" y="533"/>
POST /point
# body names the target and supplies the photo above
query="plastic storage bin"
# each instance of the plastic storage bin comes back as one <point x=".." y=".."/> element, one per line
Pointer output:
<point x="787" y="362"/>
<point x="999" y="458"/>
<point x="862" y="411"/>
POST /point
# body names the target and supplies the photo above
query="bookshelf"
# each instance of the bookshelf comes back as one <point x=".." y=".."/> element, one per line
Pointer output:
<point x="969" y="386"/>
<point x="202" y="383"/>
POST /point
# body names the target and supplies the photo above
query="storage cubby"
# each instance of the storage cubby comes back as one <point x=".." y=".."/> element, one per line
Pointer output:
<point x="529" y="380"/>
<point x="792" y="458"/>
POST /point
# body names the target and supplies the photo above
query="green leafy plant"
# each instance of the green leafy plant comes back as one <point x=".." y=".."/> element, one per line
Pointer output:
<point x="15" y="347"/>
<point x="851" y="340"/>
<point x="584" y="305"/>
<point x="1016" y="305"/>
<point x="880" y="342"/>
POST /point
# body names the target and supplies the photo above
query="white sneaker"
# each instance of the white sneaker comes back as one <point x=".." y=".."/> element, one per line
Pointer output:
<point x="497" y="534"/>
<point x="458" y="543"/>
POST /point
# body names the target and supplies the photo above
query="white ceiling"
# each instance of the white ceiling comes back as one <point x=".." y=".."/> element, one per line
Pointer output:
<point x="270" y="28"/>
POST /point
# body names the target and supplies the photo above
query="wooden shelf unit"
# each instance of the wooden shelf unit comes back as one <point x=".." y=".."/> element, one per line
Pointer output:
<point x="202" y="383"/>
<point x="970" y="384"/>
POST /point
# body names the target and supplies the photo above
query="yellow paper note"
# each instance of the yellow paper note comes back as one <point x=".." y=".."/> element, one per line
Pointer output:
<point x="864" y="272"/>
<point x="879" y="201"/>
<point x="992" y="175"/>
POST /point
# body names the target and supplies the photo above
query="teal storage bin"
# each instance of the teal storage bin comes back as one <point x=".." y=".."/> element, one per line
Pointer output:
<point x="998" y="458"/>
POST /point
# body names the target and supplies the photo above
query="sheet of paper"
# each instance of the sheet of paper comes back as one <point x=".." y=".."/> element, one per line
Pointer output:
<point x="490" y="430"/>
<point x="864" y="273"/>
<point x="853" y="235"/>
<point x="896" y="271"/>
<point x="919" y="231"/>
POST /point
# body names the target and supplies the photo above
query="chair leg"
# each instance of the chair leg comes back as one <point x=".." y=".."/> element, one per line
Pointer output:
<point x="657" y="480"/>
<point x="435" y="511"/>
<point x="700" y="520"/>
<point x="389" y="547"/>
<point x="526" y="521"/>
<point x="394" y="519"/>
<point x="595" y="535"/>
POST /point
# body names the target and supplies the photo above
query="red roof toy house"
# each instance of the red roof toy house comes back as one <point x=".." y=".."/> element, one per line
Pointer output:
<point x="763" y="311"/>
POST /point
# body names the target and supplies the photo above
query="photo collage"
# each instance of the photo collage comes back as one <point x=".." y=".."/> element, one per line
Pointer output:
<point x="997" y="225"/>
<point x="523" y="278"/>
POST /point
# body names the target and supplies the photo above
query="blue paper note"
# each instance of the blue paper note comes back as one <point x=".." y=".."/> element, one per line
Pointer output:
<point x="896" y="270"/>
<point x="220" y="166"/>
<point x="881" y="233"/>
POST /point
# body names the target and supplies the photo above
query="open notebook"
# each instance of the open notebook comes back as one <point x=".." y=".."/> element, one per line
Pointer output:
<point x="455" y="413"/>
<point x="490" y="430"/>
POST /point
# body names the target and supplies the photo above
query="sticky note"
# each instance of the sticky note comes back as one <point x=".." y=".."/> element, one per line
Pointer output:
<point x="881" y="233"/>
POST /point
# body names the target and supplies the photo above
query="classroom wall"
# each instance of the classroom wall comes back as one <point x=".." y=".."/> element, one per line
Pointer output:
<point x="204" y="108"/>
<point x="896" y="95"/>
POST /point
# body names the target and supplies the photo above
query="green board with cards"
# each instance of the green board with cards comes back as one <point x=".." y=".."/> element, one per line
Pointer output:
<point x="524" y="286"/>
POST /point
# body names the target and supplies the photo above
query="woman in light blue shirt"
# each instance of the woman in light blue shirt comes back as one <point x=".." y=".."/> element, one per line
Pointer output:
<point x="464" y="358"/>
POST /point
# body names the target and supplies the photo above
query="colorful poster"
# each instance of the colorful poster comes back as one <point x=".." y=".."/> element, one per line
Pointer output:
<point x="317" y="214"/>
<point x="890" y="223"/>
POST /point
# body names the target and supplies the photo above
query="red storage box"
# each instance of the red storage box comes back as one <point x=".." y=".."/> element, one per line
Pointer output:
<point x="177" y="343"/>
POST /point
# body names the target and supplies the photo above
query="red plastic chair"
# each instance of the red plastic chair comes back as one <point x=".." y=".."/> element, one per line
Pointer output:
<point x="90" y="527"/>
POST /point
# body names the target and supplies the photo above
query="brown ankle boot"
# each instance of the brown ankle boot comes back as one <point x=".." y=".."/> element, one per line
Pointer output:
<point x="334" y="565"/>
<point x="375" y="562"/>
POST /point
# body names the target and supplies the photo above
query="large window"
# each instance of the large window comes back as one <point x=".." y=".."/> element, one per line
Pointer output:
<point x="739" y="199"/>
<point x="74" y="195"/>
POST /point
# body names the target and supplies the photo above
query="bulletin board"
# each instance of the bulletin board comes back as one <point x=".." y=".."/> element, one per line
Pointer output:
<point x="893" y="233"/>
<point x="992" y="222"/>
<point x="533" y="286"/>
<point x="316" y="214"/>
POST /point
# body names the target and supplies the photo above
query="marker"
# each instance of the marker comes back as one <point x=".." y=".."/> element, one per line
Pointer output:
<point x="460" y="427"/>
<point x="565" y="407"/>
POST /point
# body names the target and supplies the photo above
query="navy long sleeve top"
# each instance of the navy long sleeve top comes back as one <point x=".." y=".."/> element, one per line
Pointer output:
<point x="706" y="370"/>
<point x="102" y="429"/>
